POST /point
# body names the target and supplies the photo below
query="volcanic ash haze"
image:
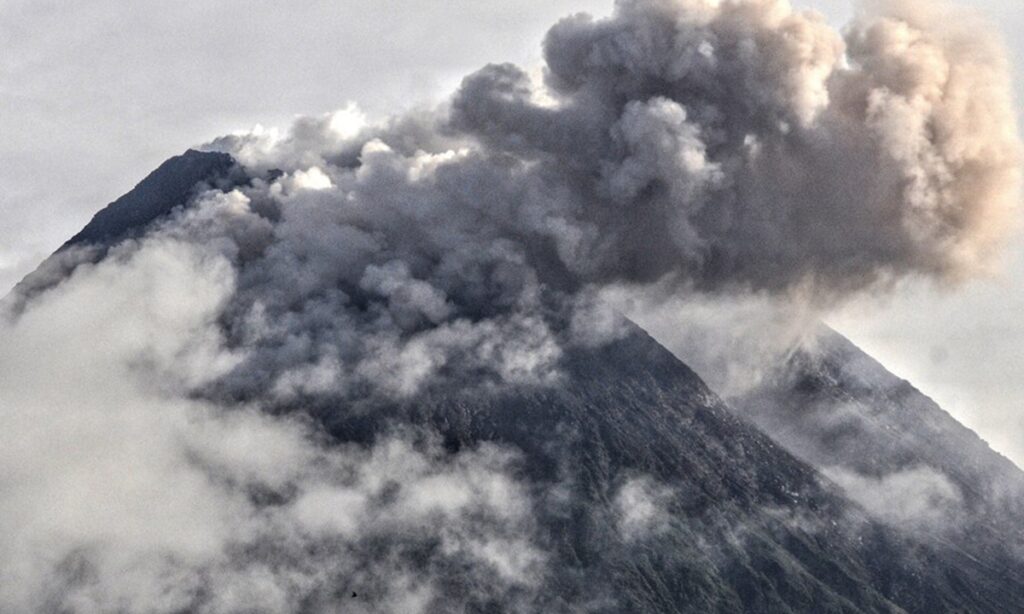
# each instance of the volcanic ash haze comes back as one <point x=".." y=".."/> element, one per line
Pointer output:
<point x="318" y="376"/>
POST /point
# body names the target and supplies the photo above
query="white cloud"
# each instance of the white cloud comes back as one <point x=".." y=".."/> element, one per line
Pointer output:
<point x="642" y="507"/>
<point x="918" y="497"/>
<point x="119" y="493"/>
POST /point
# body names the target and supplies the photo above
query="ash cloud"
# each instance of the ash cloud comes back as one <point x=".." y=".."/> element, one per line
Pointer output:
<point x="744" y="145"/>
<point x="674" y="150"/>
<point x="915" y="498"/>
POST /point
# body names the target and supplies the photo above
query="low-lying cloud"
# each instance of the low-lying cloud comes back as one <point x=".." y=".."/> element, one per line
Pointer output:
<point x="643" y="508"/>
<point x="122" y="494"/>
<point x="915" y="498"/>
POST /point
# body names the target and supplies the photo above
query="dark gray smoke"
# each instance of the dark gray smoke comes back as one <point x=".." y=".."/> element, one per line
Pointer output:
<point x="734" y="144"/>
<point x="721" y="147"/>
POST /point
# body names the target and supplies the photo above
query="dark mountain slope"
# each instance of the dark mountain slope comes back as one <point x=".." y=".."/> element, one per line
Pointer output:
<point x="837" y="408"/>
<point x="750" y="529"/>
<point x="174" y="183"/>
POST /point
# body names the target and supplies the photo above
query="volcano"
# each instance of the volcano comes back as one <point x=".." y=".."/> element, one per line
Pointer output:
<point x="651" y="493"/>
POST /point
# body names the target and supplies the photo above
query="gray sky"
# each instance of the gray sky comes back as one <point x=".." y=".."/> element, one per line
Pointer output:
<point x="95" y="95"/>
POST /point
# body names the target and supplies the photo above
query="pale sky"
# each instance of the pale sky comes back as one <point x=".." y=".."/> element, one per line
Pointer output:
<point x="95" y="95"/>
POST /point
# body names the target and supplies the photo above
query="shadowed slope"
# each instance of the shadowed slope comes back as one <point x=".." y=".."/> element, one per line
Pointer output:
<point x="896" y="450"/>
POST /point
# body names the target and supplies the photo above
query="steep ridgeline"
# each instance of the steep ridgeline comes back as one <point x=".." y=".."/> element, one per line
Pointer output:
<point x="173" y="184"/>
<point x="649" y="493"/>
<point x="896" y="451"/>
<point x="170" y="185"/>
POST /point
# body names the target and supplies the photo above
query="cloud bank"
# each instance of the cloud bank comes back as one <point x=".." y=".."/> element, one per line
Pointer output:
<point x="674" y="150"/>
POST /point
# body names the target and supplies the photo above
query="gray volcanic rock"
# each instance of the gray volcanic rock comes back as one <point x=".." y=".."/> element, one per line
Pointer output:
<point x="895" y="450"/>
<point x="173" y="184"/>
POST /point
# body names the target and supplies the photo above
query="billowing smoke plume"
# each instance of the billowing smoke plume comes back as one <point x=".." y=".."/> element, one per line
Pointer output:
<point x="729" y="144"/>
<point x="687" y="147"/>
<point x="684" y="145"/>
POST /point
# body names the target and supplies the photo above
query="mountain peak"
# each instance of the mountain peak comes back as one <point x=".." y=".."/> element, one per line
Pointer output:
<point x="170" y="185"/>
<point x="174" y="183"/>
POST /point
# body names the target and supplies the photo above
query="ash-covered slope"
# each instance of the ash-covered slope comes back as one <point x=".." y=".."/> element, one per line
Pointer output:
<point x="894" y="450"/>
<point x="289" y="350"/>
<point x="649" y="494"/>
<point x="747" y="527"/>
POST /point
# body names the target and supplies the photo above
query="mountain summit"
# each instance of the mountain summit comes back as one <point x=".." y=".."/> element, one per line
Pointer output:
<point x="895" y="451"/>
<point x="170" y="185"/>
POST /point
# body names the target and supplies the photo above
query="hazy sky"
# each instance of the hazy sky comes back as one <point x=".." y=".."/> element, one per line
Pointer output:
<point x="95" y="95"/>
